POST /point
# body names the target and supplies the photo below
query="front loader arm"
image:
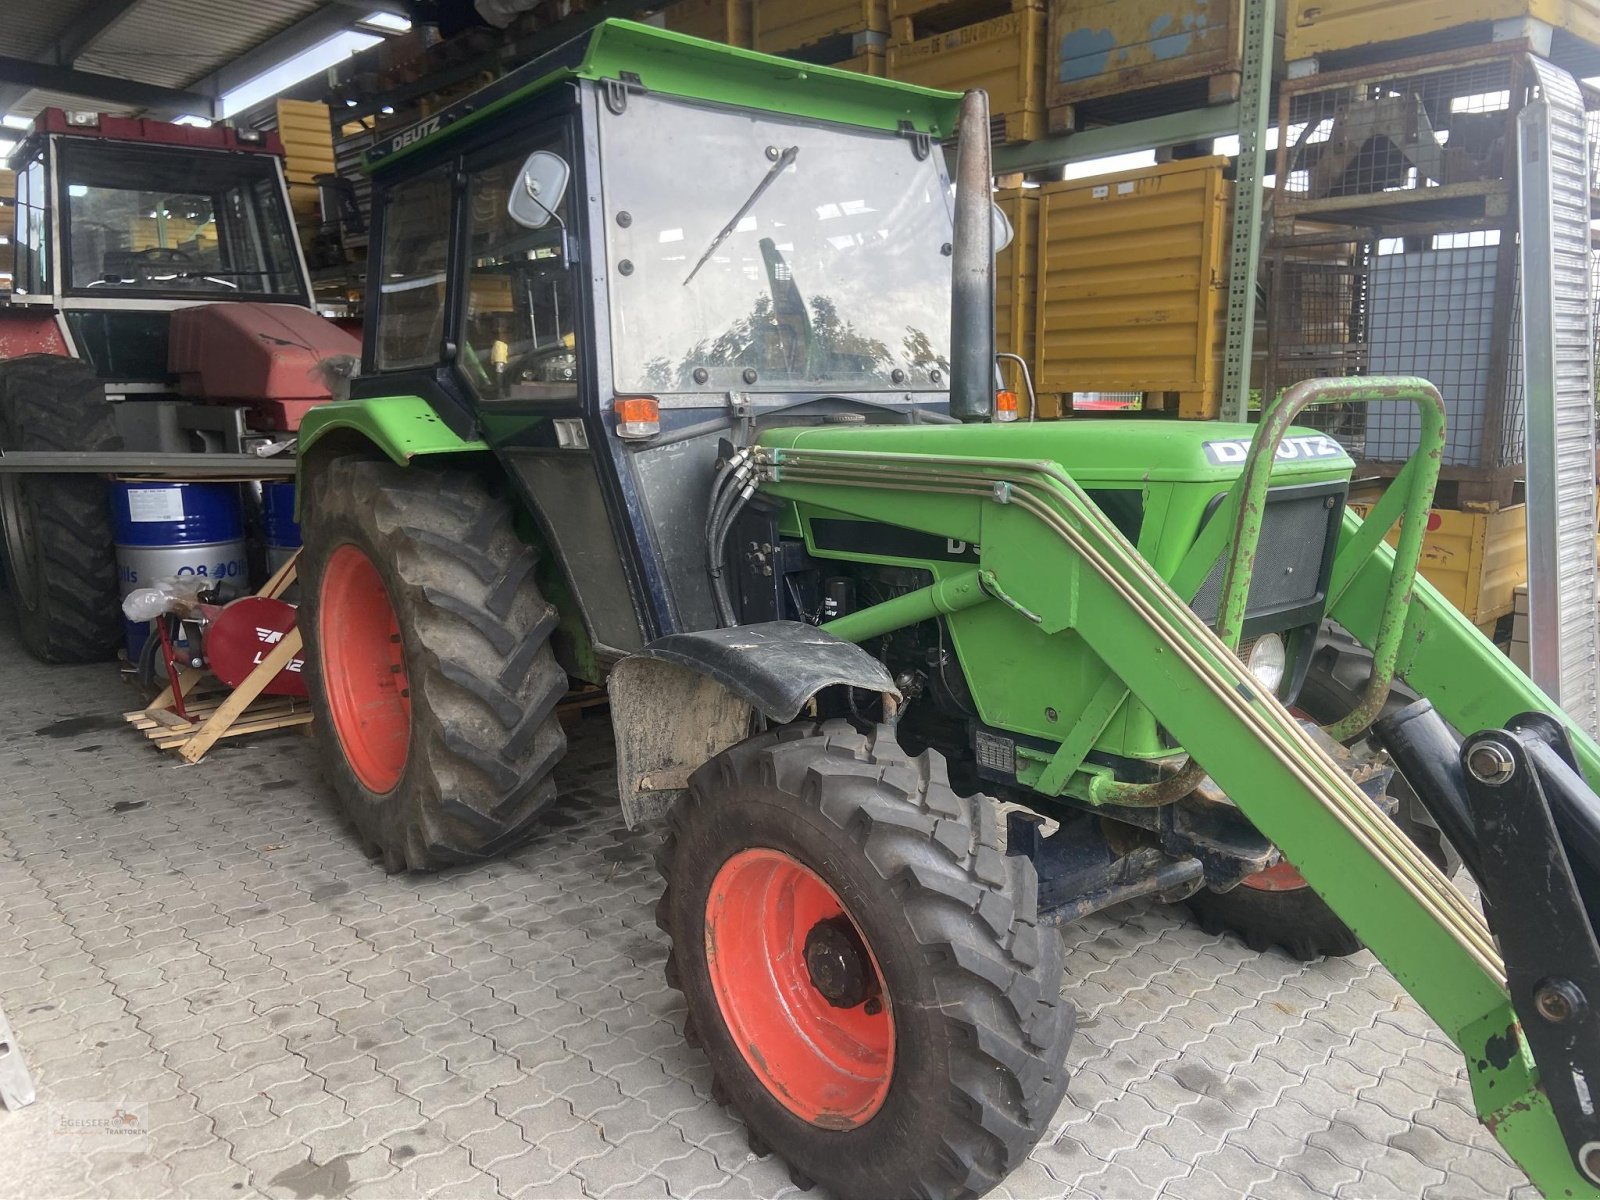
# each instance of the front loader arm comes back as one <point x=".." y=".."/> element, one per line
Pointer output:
<point x="1443" y="656"/>
<point x="1054" y="569"/>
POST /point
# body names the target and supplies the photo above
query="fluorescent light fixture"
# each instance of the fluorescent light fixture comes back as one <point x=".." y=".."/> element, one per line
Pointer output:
<point x="291" y="71"/>
<point x="14" y="122"/>
<point x="191" y="119"/>
<point x="385" y="20"/>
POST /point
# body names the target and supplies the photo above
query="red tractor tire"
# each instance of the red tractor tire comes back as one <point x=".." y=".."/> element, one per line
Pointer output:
<point x="863" y="965"/>
<point x="428" y="661"/>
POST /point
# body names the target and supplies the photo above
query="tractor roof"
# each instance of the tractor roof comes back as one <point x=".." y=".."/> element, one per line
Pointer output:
<point x="108" y="128"/>
<point x="658" y="60"/>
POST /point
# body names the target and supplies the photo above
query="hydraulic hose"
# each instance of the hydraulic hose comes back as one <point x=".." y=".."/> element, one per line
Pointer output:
<point x="730" y="490"/>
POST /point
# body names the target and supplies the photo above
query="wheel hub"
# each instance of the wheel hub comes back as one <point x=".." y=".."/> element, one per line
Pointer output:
<point x="837" y="963"/>
<point x="799" y="988"/>
<point x="364" y="678"/>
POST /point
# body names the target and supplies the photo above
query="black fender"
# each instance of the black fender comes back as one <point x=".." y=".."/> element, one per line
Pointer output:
<point x="687" y="697"/>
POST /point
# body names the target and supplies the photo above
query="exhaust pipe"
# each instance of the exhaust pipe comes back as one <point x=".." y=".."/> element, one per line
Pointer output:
<point x="972" y="263"/>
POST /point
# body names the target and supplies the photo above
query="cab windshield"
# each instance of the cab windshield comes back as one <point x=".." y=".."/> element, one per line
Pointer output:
<point x="750" y="252"/>
<point x="147" y="220"/>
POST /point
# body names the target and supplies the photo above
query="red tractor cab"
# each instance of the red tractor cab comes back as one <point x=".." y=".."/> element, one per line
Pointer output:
<point x="160" y="324"/>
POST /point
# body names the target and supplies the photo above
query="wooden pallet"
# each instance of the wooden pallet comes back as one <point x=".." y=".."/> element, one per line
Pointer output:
<point x="210" y="712"/>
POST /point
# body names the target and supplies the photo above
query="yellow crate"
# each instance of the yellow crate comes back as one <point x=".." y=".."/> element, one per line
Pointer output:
<point x="782" y="25"/>
<point x="1004" y="56"/>
<point x="307" y="134"/>
<point x="1016" y="276"/>
<point x="725" y="21"/>
<point x="1477" y="560"/>
<point x="1328" y="26"/>
<point x="1132" y="283"/>
<point x="305" y="201"/>
<point x="1107" y="48"/>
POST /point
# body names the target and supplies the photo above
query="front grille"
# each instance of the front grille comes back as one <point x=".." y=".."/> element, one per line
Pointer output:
<point x="1291" y="558"/>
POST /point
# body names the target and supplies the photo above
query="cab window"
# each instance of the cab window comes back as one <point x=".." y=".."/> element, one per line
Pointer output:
<point x="416" y="247"/>
<point x="519" y="336"/>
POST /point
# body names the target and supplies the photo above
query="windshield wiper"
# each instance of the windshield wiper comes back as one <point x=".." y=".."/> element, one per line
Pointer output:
<point x="784" y="160"/>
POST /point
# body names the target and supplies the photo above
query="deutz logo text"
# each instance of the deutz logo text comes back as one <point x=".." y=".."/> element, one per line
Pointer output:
<point x="1291" y="449"/>
<point x="415" y="134"/>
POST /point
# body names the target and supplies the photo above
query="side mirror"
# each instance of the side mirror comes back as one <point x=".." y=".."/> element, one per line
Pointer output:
<point x="1002" y="228"/>
<point x="538" y="191"/>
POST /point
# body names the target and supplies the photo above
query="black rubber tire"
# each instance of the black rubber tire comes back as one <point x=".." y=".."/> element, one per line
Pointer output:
<point x="1300" y="921"/>
<point x="475" y="636"/>
<point x="64" y="590"/>
<point x="973" y="981"/>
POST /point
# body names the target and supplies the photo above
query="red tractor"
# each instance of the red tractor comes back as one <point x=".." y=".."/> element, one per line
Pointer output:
<point x="160" y="324"/>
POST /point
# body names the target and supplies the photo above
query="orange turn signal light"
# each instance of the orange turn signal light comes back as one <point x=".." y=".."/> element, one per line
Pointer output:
<point x="638" y="416"/>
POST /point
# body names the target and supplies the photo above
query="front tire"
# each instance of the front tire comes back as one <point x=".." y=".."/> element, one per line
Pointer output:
<point x="55" y="530"/>
<point x="863" y="965"/>
<point x="1277" y="907"/>
<point x="428" y="661"/>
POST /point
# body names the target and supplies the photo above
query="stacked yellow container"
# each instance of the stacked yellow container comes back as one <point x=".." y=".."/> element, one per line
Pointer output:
<point x="996" y="45"/>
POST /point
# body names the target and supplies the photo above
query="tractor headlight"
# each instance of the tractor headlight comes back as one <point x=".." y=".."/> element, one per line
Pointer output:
<point x="1267" y="661"/>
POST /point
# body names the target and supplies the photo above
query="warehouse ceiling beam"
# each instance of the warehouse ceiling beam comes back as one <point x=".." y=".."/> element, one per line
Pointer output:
<point x="28" y="75"/>
<point x="77" y="38"/>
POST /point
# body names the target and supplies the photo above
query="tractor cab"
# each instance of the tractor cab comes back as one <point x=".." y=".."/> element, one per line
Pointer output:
<point x="132" y="237"/>
<point x="612" y="260"/>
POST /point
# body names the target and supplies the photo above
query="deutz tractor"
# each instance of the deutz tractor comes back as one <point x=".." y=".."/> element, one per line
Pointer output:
<point x="680" y="377"/>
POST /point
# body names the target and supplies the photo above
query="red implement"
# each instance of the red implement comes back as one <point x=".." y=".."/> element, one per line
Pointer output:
<point x="243" y="633"/>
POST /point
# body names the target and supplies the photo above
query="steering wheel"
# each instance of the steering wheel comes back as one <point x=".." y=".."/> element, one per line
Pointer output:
<point x="530" y="365"/>
<point x="162" y="256"/>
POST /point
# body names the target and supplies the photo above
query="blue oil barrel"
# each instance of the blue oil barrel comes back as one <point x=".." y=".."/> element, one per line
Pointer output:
<point x="163" y="530"/>
<point x="281" y="530"/>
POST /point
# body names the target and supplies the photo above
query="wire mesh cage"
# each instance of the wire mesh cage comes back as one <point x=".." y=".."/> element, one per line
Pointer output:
<point x="1395" y="250"/>
<point x="1430" y="305"/>
<point x="1437" y="130"/>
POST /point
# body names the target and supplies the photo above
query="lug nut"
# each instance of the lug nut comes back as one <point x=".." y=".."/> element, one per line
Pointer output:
<point x="1491" y="763"/>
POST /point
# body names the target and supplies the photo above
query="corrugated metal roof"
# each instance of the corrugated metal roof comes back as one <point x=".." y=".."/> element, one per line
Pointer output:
<point x="29" y="26"/>
<point x="175" y="42"/>
<point x="170" y="43"/>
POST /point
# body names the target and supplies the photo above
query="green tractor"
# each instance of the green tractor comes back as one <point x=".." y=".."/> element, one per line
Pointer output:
<point x="680" y="377"/>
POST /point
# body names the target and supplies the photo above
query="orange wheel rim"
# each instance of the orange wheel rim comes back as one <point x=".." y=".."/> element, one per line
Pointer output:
<point x="363" y="669"/>
<point x="1282" y="877"/>
<point x="799" y="989"/>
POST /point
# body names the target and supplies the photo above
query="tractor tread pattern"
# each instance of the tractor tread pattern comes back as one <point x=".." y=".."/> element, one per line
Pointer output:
<point x="51" y="402"/>
<point x="999" y="983"/>
<point x="484" y="680"/>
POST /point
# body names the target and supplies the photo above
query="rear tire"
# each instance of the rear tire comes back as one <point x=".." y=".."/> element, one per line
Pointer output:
<point x="428" y="660"/>
<point x="60" y="565"/>
<point x="959" y="1070"/>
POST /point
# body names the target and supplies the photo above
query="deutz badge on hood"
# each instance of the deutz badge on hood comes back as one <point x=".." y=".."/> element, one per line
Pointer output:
<point x="1291" y="449"/>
